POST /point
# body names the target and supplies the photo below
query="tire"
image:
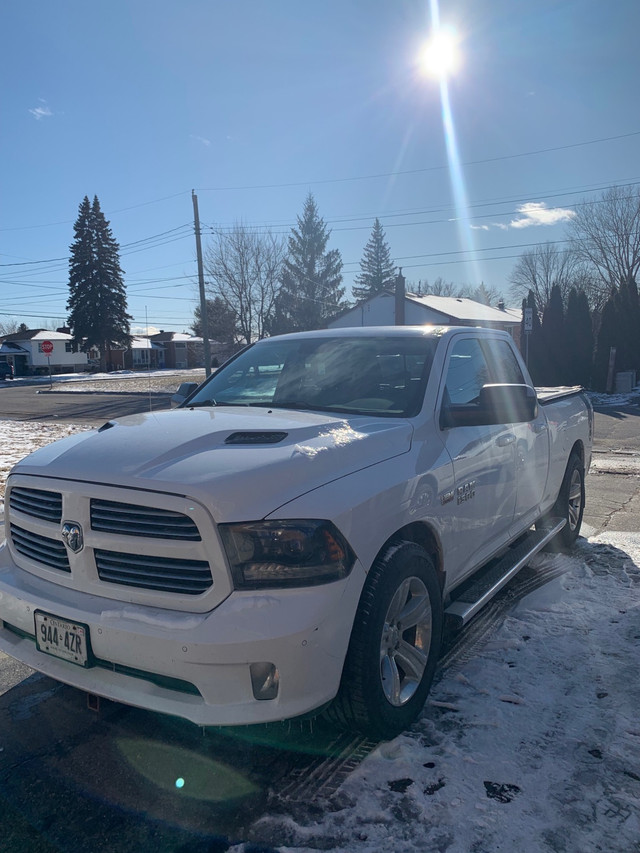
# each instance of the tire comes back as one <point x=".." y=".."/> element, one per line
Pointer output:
<point x="394" y="646"/>
<point x="569" y="505"/>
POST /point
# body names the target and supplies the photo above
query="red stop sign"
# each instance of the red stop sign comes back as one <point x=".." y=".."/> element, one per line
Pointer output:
<point x="46" y="347"/>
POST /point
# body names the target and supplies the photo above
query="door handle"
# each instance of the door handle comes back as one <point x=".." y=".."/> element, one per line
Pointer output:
<point x="505" y="440"/>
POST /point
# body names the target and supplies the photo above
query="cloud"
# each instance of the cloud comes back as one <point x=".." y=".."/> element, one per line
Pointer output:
<point x="537" y="213"/>
<point x="200" y="139"/>
<point x="41" y="112"/>
<point x="479" y="227"/>
<point x="144" y="330"/>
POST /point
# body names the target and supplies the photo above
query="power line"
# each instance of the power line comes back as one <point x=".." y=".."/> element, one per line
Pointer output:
<point x="426" y="169"/>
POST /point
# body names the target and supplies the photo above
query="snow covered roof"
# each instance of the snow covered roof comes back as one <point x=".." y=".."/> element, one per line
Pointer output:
<point x="8" y="348"/>
<point x="144" y="343"/>
<point x="37" y="335"/>
<point x="461" y="308"/>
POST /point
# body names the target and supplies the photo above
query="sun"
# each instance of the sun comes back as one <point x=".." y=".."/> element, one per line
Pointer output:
<point x="440" y="56"/>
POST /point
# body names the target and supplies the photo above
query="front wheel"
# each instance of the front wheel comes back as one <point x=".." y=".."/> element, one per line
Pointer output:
<point x="394" y="646"/>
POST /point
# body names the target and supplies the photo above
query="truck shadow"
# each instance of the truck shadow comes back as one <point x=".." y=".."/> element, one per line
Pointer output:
<point x="123" y="779"/>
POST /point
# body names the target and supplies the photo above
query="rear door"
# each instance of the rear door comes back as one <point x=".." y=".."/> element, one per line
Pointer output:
<point x="532" y="438"/>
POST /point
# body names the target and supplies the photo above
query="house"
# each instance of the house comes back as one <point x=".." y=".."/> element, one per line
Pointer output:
<point x="25" y="351"/>
<point x="182" y="351"/>
<point x="144" y="354"/>
<point x="380" y="310"/>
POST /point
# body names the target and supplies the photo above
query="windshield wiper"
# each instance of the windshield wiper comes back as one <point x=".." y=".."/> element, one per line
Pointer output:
<point x="203" y="403"/>
<point x="297" y="404"/>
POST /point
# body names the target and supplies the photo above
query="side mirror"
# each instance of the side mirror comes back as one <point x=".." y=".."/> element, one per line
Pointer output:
<point x="496" y="404"/>
<point x="509" y="404"/>
<point x="184" y="391"/>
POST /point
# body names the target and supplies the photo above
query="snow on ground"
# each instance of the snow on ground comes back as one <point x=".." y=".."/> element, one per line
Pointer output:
<point x="165" y="381"/>
<point x="20" y="438"/>
<point x="531" y="746"/>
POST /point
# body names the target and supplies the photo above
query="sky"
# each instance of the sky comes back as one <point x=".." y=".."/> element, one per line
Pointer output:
<point x="255" y="104"/>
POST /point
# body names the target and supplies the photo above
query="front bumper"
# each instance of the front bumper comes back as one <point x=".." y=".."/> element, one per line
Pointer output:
<point x="192" y="665"/>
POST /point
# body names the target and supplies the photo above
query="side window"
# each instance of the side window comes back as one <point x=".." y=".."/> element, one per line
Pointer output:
<point x="504" y="364"/>
<point x="467" y="372"/>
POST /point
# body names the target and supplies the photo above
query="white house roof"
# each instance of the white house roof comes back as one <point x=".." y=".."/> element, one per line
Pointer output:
<point x="8" y="348"/>
<point x="45" y="335"/>
<point x="461" y="308"/>
<point x="36" y="335"/>
<point x="144" y="343"/>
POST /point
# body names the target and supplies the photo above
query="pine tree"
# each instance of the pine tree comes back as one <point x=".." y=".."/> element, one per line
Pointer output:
<point x="627" y="355"/>
<point x="553" y="339"/>
<point x="310" y="292"/>
<point x="97" y="302"/>
<point x="584" y="342"/>
<point x="608" y="336"/>
<point x="377" y="271"/>
<point x="531" y="343"/>
<point x="221" y="322"/>
<point x="572" y="339"/>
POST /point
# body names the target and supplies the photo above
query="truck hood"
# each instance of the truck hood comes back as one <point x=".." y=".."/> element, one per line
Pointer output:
<point x="279" y="455"/>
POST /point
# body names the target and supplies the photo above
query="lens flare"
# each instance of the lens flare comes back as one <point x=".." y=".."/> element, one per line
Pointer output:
<point x="440" y="56"/>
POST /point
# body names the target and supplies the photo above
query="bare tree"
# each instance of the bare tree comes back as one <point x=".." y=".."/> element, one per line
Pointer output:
<point x="440" y="287"/>
<point x="9" y="327"/>
<point x="487" y="295"/>
<point x="243" y="268"/>
<point x="541" y="268"/>
<point x="605" y="234"/>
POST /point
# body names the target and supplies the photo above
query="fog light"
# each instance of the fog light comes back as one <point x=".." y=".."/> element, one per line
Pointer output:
<point x="265" y="680"/>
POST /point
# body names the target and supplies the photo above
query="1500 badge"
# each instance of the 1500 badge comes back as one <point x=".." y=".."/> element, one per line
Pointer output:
<point x="466" y="491"/>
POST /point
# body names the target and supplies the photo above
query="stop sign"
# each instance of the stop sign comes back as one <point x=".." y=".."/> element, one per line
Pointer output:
<point x="46" y="347"/>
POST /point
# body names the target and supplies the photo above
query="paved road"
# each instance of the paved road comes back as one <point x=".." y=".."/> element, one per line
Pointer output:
<point x="72" y="779"/>
<point x="613" y="485"/>
<point x="35" y="403"/>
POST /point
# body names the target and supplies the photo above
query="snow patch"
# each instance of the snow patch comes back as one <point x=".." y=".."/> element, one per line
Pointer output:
<point x="335" y="437"/>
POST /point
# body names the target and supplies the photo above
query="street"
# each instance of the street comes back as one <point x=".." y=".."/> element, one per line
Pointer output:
<point x="109" y="778"/>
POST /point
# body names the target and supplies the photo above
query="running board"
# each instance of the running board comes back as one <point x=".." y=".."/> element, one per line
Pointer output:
<point x="482" y="588"/>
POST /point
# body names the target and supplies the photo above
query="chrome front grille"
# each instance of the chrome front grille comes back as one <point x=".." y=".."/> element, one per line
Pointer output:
<point x="135" y="520"/>
<point x="37" y="503"/>
<point x="126" y="544"/>
<point x="188" y="577"/>
<point x="42" y="549"/>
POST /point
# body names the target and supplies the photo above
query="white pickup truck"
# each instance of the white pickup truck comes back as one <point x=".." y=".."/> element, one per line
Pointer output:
<point x="293" y="536"/>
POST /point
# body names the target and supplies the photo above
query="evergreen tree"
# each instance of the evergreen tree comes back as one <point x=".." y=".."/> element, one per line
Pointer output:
<point x="377" y="271"/>
<point x="531" y="343"/>
<point x="608" y="336"/>
<point x="555" y="351"/>
<point x="572" y="339"/>
<point x="221" y="321"/>
<point x="584" y="340"/>
<point x="97" y="301"/>
<point x="310" y="292"/>
<point x="628" y="343"/>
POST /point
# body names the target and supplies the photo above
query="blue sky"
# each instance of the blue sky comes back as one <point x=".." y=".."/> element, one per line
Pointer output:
<point x="254" y="104"/>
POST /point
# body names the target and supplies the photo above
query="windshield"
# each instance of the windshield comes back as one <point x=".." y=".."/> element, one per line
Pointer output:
<point x="382" y="375"/>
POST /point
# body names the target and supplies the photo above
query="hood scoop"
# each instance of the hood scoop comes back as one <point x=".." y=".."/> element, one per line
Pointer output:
<point x="255" y="437"/>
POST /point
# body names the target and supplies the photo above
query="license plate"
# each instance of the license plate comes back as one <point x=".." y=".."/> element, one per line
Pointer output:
<point x="62" y="639"/>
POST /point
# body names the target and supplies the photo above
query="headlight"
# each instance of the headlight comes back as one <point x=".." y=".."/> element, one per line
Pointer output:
<point x="285" y="553"/>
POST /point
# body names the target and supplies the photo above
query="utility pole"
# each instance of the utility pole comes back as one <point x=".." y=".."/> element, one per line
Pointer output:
<point x="204" y="319"/>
